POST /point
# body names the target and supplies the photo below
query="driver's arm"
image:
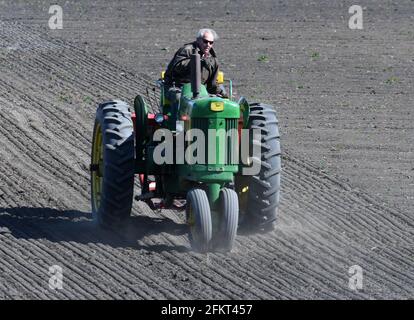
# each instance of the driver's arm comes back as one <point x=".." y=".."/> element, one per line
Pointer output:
<point x="184" y="65"/>
<point x="181" y="61"/>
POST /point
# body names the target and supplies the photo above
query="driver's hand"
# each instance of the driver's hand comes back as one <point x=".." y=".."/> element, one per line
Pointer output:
<point x="222" y="95"/>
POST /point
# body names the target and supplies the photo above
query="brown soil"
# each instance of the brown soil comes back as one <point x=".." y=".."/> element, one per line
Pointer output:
<point x="344" y="100"/>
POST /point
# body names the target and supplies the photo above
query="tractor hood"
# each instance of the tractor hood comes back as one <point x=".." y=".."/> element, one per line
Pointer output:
<point x="207" y="106"/>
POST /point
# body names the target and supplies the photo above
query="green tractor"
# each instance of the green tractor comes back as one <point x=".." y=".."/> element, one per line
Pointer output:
<point x="215" y="158"/>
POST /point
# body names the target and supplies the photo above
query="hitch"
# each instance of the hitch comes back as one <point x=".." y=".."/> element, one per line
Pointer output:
<point x="163" y="204"/>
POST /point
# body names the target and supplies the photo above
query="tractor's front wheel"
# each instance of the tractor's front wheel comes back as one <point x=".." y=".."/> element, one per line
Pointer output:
<point x="229" y="216"/>
<point x="112" y="165"/>
<point x="199" y="220"/>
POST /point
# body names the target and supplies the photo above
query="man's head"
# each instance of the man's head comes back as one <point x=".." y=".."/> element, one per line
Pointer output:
<point x="205" y="39"/>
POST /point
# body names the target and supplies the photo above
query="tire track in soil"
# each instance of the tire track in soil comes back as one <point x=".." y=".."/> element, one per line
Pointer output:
<point x="43" y="158"/>
<point x="115" y="271"/>
<point x="389" y="229"/>
<point x="324" y="226"/>
<point x="44" y="113"/>
<point x="29" y="245"/>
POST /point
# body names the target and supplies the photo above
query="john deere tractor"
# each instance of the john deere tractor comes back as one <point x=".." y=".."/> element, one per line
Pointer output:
<point x="190" y="156"/>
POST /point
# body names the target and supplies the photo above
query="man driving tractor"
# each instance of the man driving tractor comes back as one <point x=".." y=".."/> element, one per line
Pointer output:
<point x="178" y="70"/>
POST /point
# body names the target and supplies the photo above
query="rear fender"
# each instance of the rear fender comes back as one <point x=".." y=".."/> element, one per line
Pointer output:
<point x="245" y="111"/>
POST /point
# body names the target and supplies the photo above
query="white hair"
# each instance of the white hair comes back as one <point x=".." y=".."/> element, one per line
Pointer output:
<point x="202" y="32"/>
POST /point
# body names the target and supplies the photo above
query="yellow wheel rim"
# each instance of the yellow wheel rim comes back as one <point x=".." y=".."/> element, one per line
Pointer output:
<point x="97" y="162"/>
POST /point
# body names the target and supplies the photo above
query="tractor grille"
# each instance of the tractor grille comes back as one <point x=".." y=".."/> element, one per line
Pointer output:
<point x="232" y="143"/>
<point x="231" y="140"/>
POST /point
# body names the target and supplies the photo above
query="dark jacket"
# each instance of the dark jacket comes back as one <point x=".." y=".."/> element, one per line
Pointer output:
<point x="181" y="64"/>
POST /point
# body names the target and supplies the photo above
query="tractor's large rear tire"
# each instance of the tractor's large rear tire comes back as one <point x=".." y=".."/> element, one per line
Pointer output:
<point x="112" y="167"/>
<point x="199" y="220"/>
<point x="259" y="194"/>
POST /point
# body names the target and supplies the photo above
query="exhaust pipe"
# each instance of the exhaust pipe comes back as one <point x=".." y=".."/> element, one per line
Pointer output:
<point x="195" y="74"/>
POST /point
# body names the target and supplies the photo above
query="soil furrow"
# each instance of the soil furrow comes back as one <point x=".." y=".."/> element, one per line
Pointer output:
<point x="74" y="280"/>
<point x="59" y="169"/>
